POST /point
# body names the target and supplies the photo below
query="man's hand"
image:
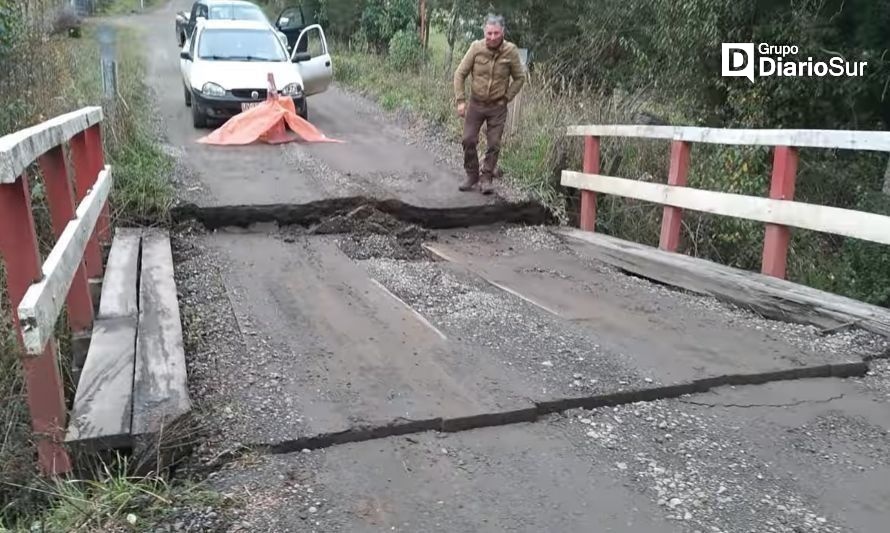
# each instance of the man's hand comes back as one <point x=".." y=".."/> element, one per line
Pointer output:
<point x="461" y="109"/>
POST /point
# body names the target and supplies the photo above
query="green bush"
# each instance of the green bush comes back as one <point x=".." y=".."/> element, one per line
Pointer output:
<point x="405" y="50"/>
<point x="10" y="26"/>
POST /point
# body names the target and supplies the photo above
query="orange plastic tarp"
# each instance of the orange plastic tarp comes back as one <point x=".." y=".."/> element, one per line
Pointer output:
<point x="266" y="122"/>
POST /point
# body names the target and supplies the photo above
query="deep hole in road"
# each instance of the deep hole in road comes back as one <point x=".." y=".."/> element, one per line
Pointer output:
<point x="314" y="213"/>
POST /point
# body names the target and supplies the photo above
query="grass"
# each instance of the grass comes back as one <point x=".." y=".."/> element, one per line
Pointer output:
<point x="113" y="500"/>
<point x="143" y="192"/>
<point x="64" y="78"/>
<point x="124" y="7"/>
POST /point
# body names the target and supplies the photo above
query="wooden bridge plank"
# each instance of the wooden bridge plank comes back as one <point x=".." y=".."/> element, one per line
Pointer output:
<point x="120" y="287"/>
<point x="160" y="392"/>
<point x="101" y="416"/>
<point x="772" y="297"/>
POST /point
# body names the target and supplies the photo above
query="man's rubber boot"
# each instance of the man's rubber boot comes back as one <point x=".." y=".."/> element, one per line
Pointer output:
<point x="469" y="184"/>
<point x="487" y="186"/>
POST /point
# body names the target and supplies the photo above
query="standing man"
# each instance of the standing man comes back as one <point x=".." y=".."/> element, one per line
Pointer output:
<point x="492" y="62"/>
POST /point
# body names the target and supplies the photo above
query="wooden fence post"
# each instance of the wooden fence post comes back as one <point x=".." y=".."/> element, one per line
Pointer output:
<point x="18" y="247"/>
<point x="588" y="198"/>
<point x="777" y="237"/>
<point x="97" y="153"/>
<point x="85" y="177"/>
<point x="673" y="216"/>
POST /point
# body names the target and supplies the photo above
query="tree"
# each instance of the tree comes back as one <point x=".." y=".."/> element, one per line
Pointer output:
<point x="456" y="18"/>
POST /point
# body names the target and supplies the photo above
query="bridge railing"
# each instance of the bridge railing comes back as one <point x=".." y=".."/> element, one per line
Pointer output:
<point x="779" y="211"/>
<point x="80" y="220"/>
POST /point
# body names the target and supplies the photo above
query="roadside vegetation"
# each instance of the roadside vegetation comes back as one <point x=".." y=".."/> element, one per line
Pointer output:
<point x="50" y="64"/>
<point x="645" y="61"/>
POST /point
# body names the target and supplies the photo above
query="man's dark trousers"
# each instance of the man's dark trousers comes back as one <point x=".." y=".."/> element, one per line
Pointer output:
<point x="494" y="115"/>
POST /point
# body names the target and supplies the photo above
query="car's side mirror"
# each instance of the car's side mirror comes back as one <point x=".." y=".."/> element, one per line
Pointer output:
<point x="185" y="55"/>
<point x="299" y="57"/>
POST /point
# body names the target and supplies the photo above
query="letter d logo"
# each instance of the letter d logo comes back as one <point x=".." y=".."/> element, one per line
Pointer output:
<point x="738" y="60"/>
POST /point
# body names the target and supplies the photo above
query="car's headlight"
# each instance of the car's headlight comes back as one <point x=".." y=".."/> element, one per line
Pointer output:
<point x="293" y="90"/>
<point x="212" y="89"/>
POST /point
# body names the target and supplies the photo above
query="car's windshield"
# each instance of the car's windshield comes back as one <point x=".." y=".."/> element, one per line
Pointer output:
<point x="237" y="12"/>
<point x="241" y="45"/>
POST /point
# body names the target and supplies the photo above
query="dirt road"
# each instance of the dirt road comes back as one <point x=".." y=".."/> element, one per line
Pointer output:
<point x="363" y="374"/>
<point x="378" y="160"/>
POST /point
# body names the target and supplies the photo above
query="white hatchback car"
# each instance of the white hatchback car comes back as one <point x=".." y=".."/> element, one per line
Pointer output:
<point x="225" y="66"/>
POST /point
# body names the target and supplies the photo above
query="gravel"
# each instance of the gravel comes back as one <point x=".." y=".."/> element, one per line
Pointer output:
<point x="697" y="467"/>
<point x="511" y="240"/>
<point x="279" y="493"/>
<point x="840" y="439"/>
<point x="556" y="357"/>
<point x="877" y="380"/>
<point x="853" y="342"/>
<point x="748" y="467"/>
<point x="236" y="395"/>
<point x="328" y="181"/>
<point x="195" y="518"/>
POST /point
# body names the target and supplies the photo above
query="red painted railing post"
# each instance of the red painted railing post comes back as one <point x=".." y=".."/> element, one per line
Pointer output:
<point x="588" y="198"/>
<point x="673" y="216"/>
<point x="60" y="197"/>
<point x="777" y="238"/>
<point x="97" y="154"/>
<point x="18" y="247"/>
<point x="84" y="179"/>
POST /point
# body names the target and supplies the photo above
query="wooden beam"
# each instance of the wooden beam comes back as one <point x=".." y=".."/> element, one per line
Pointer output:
<point x="41" y="305"/>
<point x="843" y="139"/>
<point x="160" y="392"/>
<point x="85" y="178"/>
<point x="102" y="411"/>
<point x="672" y="217"/>
<point x="43" y="383"/>
<point x="120" y="287"/>
<point x="771" y="297"/>
<point x="846" y="222"/>
<point x="777" y="238"/>
<point x="18" y="150"/>
<point x="591" y="165"/>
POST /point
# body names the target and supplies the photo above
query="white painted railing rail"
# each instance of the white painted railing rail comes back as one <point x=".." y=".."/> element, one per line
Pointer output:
<point x="846" y="222"/>
<point x="18" y="150"/>
<point x="779" y="211"/>
<point x="42" y="304"/>
<point x="839" y="139"/>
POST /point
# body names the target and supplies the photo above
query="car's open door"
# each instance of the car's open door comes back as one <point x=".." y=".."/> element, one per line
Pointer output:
<point x="291" y="23"/>
<point x="314" y="62"/>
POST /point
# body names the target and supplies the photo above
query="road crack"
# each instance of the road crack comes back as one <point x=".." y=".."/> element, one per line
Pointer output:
<point x="403" y="427"/>
<point x="754" y="405"/>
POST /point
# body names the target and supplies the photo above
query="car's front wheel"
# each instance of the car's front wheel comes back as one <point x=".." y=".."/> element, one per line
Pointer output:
<point x="304" y="109"/>
<point x="199" y="119"/>
<point x="188" y="96"/>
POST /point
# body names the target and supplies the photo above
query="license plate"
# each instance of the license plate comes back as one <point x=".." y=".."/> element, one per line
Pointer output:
<point x="249" y="105"/>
